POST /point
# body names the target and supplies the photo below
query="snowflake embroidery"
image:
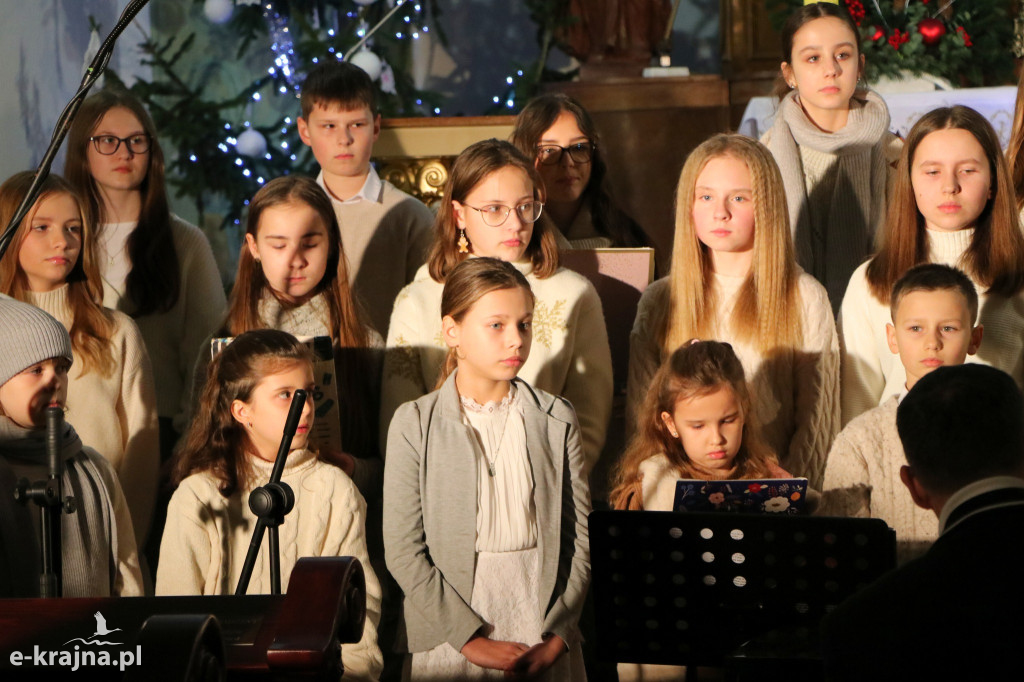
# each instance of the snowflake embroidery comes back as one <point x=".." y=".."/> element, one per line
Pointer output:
<point x="403" y="361"/>
<point x="547" y="320"/>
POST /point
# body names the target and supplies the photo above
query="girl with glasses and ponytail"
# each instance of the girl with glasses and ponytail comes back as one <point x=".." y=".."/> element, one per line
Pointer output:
<point x="559" y="135"/>
<point x="493" y="201"/>
<point x="154" y="266"/>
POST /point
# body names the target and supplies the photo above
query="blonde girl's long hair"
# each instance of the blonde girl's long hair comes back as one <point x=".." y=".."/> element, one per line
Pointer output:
<point x="216" y="442"/>
<point x="995" y="257"/>
<point x="767" y="311"/>
<point x="471" y="168"/>
<point x="92" y="325"/>
<point x="470" y="281"/>
<point x="695" y="369"/>
<point x="1015" y="151"/>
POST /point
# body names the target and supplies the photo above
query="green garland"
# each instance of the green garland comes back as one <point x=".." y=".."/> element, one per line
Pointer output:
<point x="969" y="42"/>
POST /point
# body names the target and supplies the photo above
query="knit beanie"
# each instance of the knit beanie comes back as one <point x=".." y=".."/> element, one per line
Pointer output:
<point x="28" y="335"/>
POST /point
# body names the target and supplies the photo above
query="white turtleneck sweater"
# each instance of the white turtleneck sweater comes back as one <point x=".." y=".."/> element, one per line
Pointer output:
<point x="795" y="396"/>
<point x="116" y="414"/>
<point x="871" y="372"/>
<point x="207" y="537"/>
<point x="569" y="356"/>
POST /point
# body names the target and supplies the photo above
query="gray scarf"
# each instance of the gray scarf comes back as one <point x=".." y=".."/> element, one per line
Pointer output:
<point x="831" y="246"/>
<point x="89" y="536"/>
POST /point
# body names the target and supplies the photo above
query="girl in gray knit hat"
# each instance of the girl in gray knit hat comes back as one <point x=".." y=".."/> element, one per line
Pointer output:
<point x="35" y="356"/>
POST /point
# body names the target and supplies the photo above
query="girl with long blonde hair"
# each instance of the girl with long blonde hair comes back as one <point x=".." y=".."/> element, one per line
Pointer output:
<point x="111" y="398"/>
<point x="733" y="278"/>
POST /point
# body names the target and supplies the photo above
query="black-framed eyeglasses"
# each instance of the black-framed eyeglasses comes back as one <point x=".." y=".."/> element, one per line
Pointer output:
<point x="495" y="215"/>
<point x="109" y="144"/>
<point x="551" y="154"/>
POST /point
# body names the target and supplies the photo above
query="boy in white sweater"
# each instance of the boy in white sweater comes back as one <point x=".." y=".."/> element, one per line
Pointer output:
<point x="934" y="308"/>
<point x="385" y="232"/>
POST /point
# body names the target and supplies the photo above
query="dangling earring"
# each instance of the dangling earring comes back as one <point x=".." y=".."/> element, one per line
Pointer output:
<point x="463" y="242"/>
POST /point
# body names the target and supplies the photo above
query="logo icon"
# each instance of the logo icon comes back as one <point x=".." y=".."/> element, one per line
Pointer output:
<point x="101" y="631"/>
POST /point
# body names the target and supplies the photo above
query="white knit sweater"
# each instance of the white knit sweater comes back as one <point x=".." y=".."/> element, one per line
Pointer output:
<point x="116" y="415"/>
<point x="872" y="373"/>
<point x="569" y="356"/>
<point x="796" y="397"/>
<point x="173" y="337"/>
<point x="862" y="479"/>
<point x="385" y="242"/>
<point x="207" y="536"/>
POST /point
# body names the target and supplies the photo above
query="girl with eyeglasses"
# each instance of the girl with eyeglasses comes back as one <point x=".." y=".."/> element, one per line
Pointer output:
<point x="559" y="135"/>
<point x="154" y="266"/>
<point x="493" y="199"/>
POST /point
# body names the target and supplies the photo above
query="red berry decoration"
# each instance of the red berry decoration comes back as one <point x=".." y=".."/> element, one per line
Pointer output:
<point x="878" y="34"/>
<point x="931" y="31"/>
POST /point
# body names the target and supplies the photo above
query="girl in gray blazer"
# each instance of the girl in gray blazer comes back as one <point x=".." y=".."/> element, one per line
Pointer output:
<point x="485" y="502"/>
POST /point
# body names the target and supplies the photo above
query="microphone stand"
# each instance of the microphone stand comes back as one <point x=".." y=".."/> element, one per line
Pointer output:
<point x="60" y="131"/>
<point x="49" y="496"/>
<point x="270" y="503"/>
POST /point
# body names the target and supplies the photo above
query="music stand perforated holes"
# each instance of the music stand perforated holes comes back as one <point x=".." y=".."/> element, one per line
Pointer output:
<point x="707" y="557"/>
<point x="675" y="533"/>
<point x="739" y="581"/>
<point x="736" y="534"/>
<point x="738" y="558"/>
<point x="707" y="533"/>
<point x="709" y="580"/>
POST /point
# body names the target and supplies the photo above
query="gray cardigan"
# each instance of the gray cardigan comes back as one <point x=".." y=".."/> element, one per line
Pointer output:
<point x="430" y="504"/>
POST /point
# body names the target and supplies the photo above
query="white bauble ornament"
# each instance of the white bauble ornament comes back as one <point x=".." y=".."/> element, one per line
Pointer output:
<point x="364" y="3"/>
<point x="218" y="11"/>
<point x="368" y="62"/>
<point x="251" y="143"/>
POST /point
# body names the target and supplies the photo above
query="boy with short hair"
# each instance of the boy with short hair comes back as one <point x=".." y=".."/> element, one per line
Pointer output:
<point x="98" y="553"/>
<point x="385" y="232"/>
<point x="934" y="308"/>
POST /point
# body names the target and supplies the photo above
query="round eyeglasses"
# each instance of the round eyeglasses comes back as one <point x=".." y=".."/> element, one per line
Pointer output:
<point x="109" y="144"/>
<point x="551" y="154"/>
<point x="495" y="215"/>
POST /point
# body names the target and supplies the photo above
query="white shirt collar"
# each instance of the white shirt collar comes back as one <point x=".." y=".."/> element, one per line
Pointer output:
<point x="370" y="191"/>
<point x="973" y="490"/>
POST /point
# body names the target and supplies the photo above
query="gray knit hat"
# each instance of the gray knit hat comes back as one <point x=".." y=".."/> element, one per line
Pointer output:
<point x="28" y="335"/>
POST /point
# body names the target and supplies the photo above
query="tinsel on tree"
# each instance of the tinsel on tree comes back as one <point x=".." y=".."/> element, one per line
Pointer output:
<point x="966" y="42"/>
<point x="214" y="148"/>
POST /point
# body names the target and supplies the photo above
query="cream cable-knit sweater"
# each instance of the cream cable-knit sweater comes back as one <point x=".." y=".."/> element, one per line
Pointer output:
<point x="871" y="372"/>
<point x="796" y="397"/>
<point x="312" y="318"/>
<point x="862" y="479"/>
<point x="385" y="242"/>
<point x="116" y="415"/>
<point x="173" y="338"/>
<point x="569" y="356"/>
<point x="207" y="537"/>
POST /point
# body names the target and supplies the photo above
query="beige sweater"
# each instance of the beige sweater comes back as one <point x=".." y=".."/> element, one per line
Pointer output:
<point x="569" y="356"/>
<point x="862" y="479"/>
<point x="207" y="536"/>
<point x="116" y="415"/>
<point x="173" y="338"/>
<point x="385" y="242"/>
<point x="796" y="397"/>
<point x="872" y="373"/>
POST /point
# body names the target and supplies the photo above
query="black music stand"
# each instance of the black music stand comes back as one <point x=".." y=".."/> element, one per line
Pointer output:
<point x="686" y="588"/>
